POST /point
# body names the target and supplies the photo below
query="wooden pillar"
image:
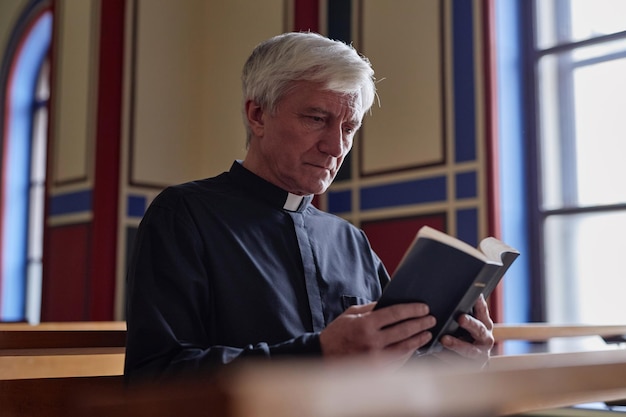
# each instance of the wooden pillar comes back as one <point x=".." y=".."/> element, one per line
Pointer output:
<point x="107" y="160"/>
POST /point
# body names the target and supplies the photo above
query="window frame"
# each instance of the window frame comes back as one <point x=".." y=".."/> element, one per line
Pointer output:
<point x="30" y="37"/>
<point x="537" y="214"/>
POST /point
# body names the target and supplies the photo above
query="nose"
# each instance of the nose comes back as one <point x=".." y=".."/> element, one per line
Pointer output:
<point x="331" y="142"/>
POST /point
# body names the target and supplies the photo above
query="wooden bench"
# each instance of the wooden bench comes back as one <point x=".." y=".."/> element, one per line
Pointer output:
<point x="538" y="332"/>
<point x="52" y="350"/>
<point x="61" y="349"/>
<point x="97" y="348"/>
<point x="53" y="397"/>
<point x="352" y="388"/>
<point x="285" y="388"/>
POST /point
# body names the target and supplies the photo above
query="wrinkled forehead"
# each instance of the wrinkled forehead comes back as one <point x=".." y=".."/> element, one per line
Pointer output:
<point x="354" y="101"/>
<point x="351" y="102"/>
<point x="355" y="104"/>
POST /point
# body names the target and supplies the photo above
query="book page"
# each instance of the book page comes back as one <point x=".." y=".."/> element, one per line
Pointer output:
<point x="430" y="233"/>
<point x="494" y="249"/>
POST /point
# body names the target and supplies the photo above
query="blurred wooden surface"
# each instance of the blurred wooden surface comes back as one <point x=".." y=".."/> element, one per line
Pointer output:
<point x="61" y="365"/>
<point x="533" y="384"/>
<point x="73" y="325"/>
<point x="15" y="337"/>
<point x="97" y="348"/>
<point x="61" y="349"/>
<point x="353" y="388"/>
<point x="67" y="370"/>
<point x="534" y="332"/>
<point x="53" y="397"/>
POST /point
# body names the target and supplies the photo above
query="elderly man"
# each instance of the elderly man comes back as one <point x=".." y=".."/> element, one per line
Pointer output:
<point x="242" y="265"/>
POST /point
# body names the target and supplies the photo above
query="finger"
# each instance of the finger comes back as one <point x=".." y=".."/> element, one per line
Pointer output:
<point x="407" y="347"/>
<point x="481" y="312"/>
<point x="479" y="331"/>
<point x="406" y="330"/>
<point x="462" y="347"/>
<point x="397" y="313"/>
<point x="361" y="308"/>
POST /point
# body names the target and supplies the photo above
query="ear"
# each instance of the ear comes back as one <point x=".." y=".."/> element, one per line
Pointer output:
<point x="255" y="113"/>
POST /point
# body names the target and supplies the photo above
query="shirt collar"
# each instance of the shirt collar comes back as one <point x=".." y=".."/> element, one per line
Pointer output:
<point x="264" y="190"/>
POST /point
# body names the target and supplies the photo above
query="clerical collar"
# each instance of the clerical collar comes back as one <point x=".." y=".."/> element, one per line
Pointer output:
<point x="262" y="189"/>
<point x="292" y="203"/>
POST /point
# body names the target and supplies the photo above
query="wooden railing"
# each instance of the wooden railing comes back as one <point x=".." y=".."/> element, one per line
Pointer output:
<point x="64" y="370"/>
<point x="55" y="397"/>
<point x="354" y="388"/>
<point x="61" y="349"/>
<point x="535" y="332"/>
<point x="97" y="348"/>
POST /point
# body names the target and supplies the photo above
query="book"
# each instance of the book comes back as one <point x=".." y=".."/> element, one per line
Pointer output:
<point x="448" y="275"/>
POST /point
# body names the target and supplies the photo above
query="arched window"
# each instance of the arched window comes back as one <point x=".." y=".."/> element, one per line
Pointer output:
<point x="23" y="122"/>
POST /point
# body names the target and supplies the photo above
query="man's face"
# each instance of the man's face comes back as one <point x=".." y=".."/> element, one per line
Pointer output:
<point x="301" y="146"/>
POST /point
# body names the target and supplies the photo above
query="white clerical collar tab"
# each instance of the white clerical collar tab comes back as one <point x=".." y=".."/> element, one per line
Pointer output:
<point x="293" y="202"/>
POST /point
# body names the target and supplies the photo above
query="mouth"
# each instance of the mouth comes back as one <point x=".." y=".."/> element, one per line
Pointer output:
<point x="325" y="168"/>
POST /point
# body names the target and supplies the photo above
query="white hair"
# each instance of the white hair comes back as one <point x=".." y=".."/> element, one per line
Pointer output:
<point x="277" y="62"/>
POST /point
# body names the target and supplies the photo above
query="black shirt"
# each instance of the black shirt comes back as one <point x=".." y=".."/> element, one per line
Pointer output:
<point x="222" y="270"/>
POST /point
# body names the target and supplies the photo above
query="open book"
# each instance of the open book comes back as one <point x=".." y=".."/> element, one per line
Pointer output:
<point x="449" y="275"/>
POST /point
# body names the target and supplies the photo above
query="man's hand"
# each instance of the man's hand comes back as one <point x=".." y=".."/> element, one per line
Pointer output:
<point x="394" y="332"/>
<point x="480" y="327"/>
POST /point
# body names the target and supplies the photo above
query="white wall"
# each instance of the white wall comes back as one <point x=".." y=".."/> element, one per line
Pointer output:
<point x="189" y="55"/>
<point x="233" y="29"/>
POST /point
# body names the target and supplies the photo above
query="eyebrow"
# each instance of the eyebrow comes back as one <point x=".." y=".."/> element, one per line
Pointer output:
<point x="319" y="110"/>
<point x="354" y="120"/>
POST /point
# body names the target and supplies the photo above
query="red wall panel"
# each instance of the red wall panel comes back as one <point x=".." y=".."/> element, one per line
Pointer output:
<point x="65" y="279"/>
<point x="107" y="170"/>
<point x="390" y="238"/>
<point x="306" y="15"/>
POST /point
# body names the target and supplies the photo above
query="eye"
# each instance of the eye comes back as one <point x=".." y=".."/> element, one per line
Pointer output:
<point x="349" y="129"/>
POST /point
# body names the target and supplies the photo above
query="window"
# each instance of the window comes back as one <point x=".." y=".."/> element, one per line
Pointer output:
<point x="23" y="136"/>
<point x="578" y="70"/>
<point x="37" y="194"/>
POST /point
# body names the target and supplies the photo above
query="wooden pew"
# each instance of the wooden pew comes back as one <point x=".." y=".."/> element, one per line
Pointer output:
<point x="355" y="388"/>
<point x="43" y="367"/>
<point x="52" y="397"/>
<point x="97" y="348"/>
<point x="543" y="332"/>
<point x="61" y="349"/>
<point x="337" y="389"/>
<point x="111" y="326"/>
<point x="538" y="332"/>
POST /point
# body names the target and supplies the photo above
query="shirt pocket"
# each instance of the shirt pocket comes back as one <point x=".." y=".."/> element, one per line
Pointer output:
<point x="353" y="300"/>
